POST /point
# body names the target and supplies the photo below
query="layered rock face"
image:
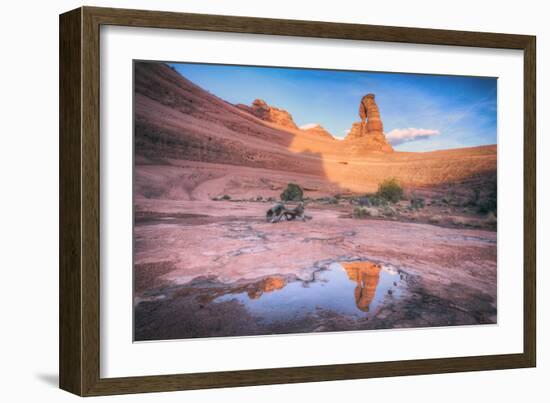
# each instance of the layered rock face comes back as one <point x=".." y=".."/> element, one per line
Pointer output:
<point x="369" y="110"/>
<point x="318" y="131"/>
<point x="263" y="111"/>
<point x="368" y="135"/>
<point x="355" y="132"/>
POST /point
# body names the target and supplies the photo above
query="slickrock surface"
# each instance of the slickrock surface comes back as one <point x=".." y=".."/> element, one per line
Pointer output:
<point x="191" y="254"/>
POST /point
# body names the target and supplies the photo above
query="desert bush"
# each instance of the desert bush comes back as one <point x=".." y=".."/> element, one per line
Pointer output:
<point x="390" y="190"/>
<point x="226" y="197"/>
<point x="486" y="200"/>
<point x="417" y="202"/>
<point x="474" y="200"/>
<point x="293" y="192"/>
<point x="359" y="212"/>
<point x="378" y="201"/>
<point x="364" y="201"/>
<point x="371" y="200"/>
<point x="488" y="205"/>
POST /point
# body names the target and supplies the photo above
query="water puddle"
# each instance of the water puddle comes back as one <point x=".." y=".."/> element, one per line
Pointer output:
<point x="355" y="289"/>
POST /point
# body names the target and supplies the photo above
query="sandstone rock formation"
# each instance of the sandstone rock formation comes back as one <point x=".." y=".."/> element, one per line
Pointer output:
<point x="369" y="110"/>
<point x="368" y="135"/>
<point x="355" y="132"/>
<point x="263" y="111"/>
<point x="318" y="131"/>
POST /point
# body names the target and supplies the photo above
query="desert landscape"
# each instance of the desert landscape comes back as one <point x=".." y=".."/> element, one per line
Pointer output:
<point x="247" y="224"/>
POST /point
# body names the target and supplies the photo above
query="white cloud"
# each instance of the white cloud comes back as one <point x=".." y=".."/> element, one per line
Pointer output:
<point x="398" y="136"/>
<point x="309" y="126"/>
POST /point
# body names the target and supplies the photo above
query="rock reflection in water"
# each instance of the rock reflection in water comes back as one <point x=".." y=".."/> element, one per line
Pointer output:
<point x="366" y="275"/>
<point x="266" y="285"/>
<point x="350" y="288"/>
<point x="253" y="290"/>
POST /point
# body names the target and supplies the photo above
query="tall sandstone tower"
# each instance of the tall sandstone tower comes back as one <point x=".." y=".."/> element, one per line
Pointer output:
<point x="368" y="135"/>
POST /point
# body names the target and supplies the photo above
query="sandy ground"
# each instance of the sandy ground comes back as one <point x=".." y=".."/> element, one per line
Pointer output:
<point x="187" y="253"/>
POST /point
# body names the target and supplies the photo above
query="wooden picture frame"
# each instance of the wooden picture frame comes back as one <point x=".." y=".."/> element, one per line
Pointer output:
<point x="79" y="346"/>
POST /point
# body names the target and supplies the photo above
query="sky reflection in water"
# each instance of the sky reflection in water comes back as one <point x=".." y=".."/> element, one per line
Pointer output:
<point x="351" y="288"/>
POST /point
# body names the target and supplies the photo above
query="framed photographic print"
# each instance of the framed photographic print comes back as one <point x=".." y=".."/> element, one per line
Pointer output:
<point x="249" y="201"/>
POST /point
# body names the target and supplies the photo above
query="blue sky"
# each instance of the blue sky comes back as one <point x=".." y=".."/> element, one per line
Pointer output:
<point x="419" y="112"/>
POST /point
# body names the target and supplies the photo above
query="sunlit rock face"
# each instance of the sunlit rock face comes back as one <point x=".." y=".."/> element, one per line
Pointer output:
<point x="369" y="110"/>
<point x="355" y="132"/>
<point x="368" y="135"/>
<point x="263" y="111"/>
<point x="366" y="275"/>
<point x="318" y="131"/>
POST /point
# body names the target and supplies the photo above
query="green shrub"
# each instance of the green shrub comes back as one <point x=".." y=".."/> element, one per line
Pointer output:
<point x="371" y="200"/>
<point x="417" y="202"/>
<point x="363" y="201"/>
<point x="488" y="203"/>
<point x="293" y="192"/>
<point x="226" y="197"/>
<point x="390" y="190"/>
<point x="476" y="195"/>
<point x="359" y="212"/>
<point x="378" y="201"/>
